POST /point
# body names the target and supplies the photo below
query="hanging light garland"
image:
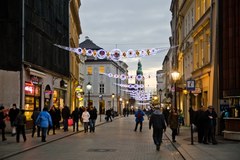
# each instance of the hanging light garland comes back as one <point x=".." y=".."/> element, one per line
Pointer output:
<point x="115" y="54"/>
<point x="124" y="76"/>
<point x="134" y="86"/>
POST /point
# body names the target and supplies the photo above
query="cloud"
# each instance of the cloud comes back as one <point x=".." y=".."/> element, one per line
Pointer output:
<point x="128" y="24"/>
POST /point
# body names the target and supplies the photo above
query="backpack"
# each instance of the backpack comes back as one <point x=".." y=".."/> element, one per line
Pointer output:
<point x="139" y="115"/>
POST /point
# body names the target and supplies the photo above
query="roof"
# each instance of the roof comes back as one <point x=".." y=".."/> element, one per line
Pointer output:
<point x="88" y="44"/>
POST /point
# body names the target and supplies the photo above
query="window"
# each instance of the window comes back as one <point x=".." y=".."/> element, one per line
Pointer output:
<point x="101" y="88"/>
<point x="89" y="70"/>
<point x="101" y="69"/>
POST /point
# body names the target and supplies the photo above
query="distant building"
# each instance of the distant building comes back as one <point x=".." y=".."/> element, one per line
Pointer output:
<point x="103" y="87"/>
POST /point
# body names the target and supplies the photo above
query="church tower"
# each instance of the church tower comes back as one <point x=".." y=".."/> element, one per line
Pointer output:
<point x="141" y="82"/>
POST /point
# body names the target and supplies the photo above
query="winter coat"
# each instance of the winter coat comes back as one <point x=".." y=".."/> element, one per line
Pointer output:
<point x="157" y="120"/>
<point x="93" y="114"/>
<point x="2" y="117"/>
<point x="75" y="115"/>
<point x="44" y="119"/>
<point x="13" y="113"/>
<point x="20" y="120"/>
<point x="85" y="116"/>
<point x="65" y="112"/>
<point x="173" y="120"/>
<point x="141" y="119"/>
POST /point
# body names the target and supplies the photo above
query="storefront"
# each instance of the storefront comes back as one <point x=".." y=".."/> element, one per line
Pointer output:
<point x="32" y="99"/>
<point x="59" y="97"/>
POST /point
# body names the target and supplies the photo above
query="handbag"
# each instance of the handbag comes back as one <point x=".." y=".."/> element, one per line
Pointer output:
<point x="70" y="122"/>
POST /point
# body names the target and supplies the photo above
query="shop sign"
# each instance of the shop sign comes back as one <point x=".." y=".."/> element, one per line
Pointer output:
<point x="29" y="88"/>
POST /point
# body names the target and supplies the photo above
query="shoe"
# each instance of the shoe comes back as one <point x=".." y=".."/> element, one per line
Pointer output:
<point x="174" y="140"/>
<point x="205" y="143"/>
<point x="157" y="147"/>
<point x="4" y="139"/>
<point x="214" y="143"/>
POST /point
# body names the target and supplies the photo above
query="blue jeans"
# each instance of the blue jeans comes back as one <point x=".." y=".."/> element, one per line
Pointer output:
<point x="44" y="134"/>
<point x="92" y="124"/>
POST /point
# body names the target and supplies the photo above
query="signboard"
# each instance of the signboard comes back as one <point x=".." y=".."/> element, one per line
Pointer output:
<point x="190" y="85"/>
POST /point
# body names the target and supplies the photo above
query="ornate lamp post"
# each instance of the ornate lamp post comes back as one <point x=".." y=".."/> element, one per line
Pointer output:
<point x="120" y="100"/>
<point x="113" y="95"/>
<point x="89" y="87"/>
<point x="160" y="96"/>
<point x="175" y="77"/>
<point x="100" y="107"/>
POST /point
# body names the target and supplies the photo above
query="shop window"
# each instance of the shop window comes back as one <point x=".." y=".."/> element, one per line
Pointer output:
<point x="101" y="69"/>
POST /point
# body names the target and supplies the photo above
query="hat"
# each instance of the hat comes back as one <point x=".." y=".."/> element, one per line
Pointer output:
<point x="157" y="107"/>
<point x="210" y="107"/>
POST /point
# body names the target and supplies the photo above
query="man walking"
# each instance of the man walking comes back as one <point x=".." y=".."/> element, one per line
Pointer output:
<point x="13" y="112"/>
<point x="139" y="119"/>
<point x="157" y="121"/>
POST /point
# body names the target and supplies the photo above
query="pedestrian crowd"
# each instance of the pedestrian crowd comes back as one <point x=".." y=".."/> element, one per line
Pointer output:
<point x="159" y="118"/>
<point x="47" y="120"/>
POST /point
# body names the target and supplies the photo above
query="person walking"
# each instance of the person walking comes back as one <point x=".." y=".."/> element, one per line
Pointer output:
<point x="157" y="121"/>
<point x="65" y="116"/>
<point x="173" y="123"/>
<point x="108" y="115"/>
<point x="35" y="126"/>
<point x="85" y="117"/>
<point x="44" y="120"/>
<point x="199" y="120"/>
<point x="139" y="119"/>
<point x="53" y="115"/>
<point x="2" y="122"/>
<point x="20" y="125"/>
<point x="13" y="112"/>
<point x="92" y="119"/>
<point x="209" y="124"/>
<point x="75" y="117"/>
<point x="58" y="116"/>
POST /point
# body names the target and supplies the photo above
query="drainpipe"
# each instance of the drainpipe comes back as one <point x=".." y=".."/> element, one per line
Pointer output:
<point x="22" y="59"/>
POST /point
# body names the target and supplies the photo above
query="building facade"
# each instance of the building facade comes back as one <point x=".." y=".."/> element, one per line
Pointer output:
<point x="36" y="72"/>
<point x="105" y="92"/>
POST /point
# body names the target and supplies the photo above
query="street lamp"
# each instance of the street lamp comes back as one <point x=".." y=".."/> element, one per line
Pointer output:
<point x="100" y="107"/>
<point x="120" y="100"/>
<point x="160" y="96"/>
<point x="89" y="87"/>
<point x="175" y="77"/>
<point x="113" y="95"/>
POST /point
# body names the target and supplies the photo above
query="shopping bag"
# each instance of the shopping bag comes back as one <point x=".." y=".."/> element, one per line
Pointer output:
<point x="70" y="122"/>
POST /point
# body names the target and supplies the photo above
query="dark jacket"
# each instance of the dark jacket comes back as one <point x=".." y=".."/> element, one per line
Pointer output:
<point x="137" y="119"/>
<point x="76" y="115"/>
<point x="93" y="113"/>
<point x="157" y="120"/>
<point x="21" y="119"/>
<point x="65" y="112"/>
<point x="2" y="117"/>
<point x="13" y="113"/>
<point x="173" y="120"/>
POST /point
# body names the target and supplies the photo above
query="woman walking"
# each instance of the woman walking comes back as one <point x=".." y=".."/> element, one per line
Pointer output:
<point x="20" y="123"/>
<point x="44" y="120"/>
<point x="173" y="122"/>
<point x="85" y="117"/>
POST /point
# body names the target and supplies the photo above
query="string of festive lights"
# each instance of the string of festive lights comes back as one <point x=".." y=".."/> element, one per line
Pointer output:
<point x="124" y="76"/>
<point x="134" y="86"/>
<point x="115" y="54"/>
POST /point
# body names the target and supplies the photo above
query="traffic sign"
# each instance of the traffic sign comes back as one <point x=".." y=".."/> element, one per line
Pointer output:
<point x="190" y="85"/>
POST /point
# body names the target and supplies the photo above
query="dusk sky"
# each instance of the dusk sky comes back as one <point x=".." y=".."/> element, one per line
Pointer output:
<point x="129" y="24"/>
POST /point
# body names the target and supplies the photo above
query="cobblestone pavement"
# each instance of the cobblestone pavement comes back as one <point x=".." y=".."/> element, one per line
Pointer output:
<point x="112" y="140"/>
<point x="117" y="140"/>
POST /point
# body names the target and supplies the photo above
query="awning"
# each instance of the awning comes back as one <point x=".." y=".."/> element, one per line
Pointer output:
<point x="36" y="73"/>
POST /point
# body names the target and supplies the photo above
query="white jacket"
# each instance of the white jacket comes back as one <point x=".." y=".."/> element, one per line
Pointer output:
<point x="85" y="116"/>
